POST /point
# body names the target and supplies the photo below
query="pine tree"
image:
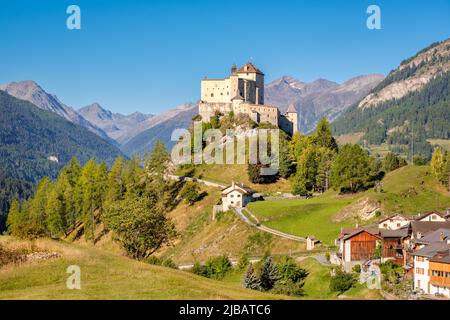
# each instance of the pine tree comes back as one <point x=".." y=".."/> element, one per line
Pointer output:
<point x="305" y="178"/>
<point x="87" y="185"/>
<point x="132" y="175"/>
<point x="323" y="136"/>
<point x="65" y="189"/>
<point x="325" y="161"/>
<point x="269" y="274"/>
<point x="250" y="280"/>
<point x="36" y="211"/>
<point x="14" y="221"/>
<point x="116" y="183"/>
<point x="55" y="218"/>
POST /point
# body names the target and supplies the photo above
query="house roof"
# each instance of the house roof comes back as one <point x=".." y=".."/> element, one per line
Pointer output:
<point x="393" y="216"/>
<point x="371" y="230"/>
<point x="399" y="233"/>
<point x="249" y="68"/>
<point x="435" y="236"/>
<point x="425" y="227"/>
<point x="429" y="251"/>
<point x="240" y="187"/>
<point x="424" y="215"/>
<point x="291" y="109"/>
<point x="442" y="256"/>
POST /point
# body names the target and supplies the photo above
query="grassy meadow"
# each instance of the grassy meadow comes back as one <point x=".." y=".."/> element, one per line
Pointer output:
<point x="409" y="190"/>
<point x="105" y="275"/>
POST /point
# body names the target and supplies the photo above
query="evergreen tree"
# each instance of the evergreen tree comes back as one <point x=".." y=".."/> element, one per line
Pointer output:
<point x="269" y="274"/>
<point x="55" y="218"/>
<point x="323" y="136"/>
<point x="305" y="178"/>
<point x="14" y="221"/>
<point x="286" y="167"/>
<point x="90" y="197"/>
<point x="36" y="211"/>
<point x="115" y="181"/>
<point x="65" y="188"/>
<point x="392" y="162"/>
<point x="250" y="280"/>
<point x="325" y="161"/>
<point x="132" y="176"/>
<point x="351" y="169"/>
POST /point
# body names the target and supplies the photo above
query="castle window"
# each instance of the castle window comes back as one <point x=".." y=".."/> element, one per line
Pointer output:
<point x="212" y="95"/>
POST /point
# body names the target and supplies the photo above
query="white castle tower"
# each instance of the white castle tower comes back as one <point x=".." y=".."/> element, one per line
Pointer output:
<point x="243" y="92"/>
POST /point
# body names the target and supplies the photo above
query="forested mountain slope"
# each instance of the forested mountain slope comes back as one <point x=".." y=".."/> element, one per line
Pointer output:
<point x="412" y="103"/>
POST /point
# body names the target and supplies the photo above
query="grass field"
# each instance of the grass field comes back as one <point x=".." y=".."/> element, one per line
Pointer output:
<point x="107" y="276"/>
<point x="236" y="172"/>
<point x="409" y="190"/>
<point x="317" y="283"/>
<point x="304" y="217"/>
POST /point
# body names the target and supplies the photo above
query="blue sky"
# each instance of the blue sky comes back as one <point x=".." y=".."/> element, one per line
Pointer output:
<point x="151" y="55"/>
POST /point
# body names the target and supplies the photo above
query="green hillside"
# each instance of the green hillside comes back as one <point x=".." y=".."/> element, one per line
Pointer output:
<point x="28" y="137"/>
<point x="409" y="190"/>
<point x="107" y="276"/>
<point x="200" y="237"/>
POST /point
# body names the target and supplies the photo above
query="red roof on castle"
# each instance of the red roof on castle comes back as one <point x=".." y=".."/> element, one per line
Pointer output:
<point x="250" y="69"/>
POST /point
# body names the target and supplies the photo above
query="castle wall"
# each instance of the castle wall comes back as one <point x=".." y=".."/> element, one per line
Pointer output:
<point x="216" y="90"/>
<point x="217" y="95"/>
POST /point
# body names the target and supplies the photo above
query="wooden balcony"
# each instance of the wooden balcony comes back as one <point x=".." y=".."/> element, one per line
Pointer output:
<point x="440" y="281"/>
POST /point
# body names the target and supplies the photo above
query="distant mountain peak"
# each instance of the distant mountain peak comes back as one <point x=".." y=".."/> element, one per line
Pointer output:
<point x="32" y="92"/>
<point x="319" y="98"/>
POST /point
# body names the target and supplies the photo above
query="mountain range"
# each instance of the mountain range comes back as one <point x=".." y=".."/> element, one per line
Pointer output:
<point x="136" y="132"/>
<point x="320" y="98"/>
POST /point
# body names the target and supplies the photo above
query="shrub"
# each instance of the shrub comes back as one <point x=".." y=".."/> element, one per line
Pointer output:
<point x="356" y="268"/>
<point x="342" y="282"/>
<point x="199" y="269"/>
<point x="289" y="288"/>
<point x="327" y="256"/>
<point x="190" y="192"/>
<point x="420" y="160"/>
<point x="218" y="267"/>
<point x="169" y="263"/>
<point x="243" y="261"/>
<point x="288" y="270"/>
<point x="215" y="268"/>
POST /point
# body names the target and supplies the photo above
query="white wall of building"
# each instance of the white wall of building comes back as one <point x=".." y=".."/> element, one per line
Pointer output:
<point x="421" y="280"/>
<point x="433" y="217"/>
<point x="393" y="223"/>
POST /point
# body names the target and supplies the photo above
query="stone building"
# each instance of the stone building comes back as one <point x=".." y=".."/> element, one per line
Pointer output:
<point x="236" y="196"/>
<point x="243" y="93"/>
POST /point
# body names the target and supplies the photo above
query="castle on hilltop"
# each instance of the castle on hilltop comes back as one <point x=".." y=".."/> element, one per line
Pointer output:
<point x="243" y="93"/>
